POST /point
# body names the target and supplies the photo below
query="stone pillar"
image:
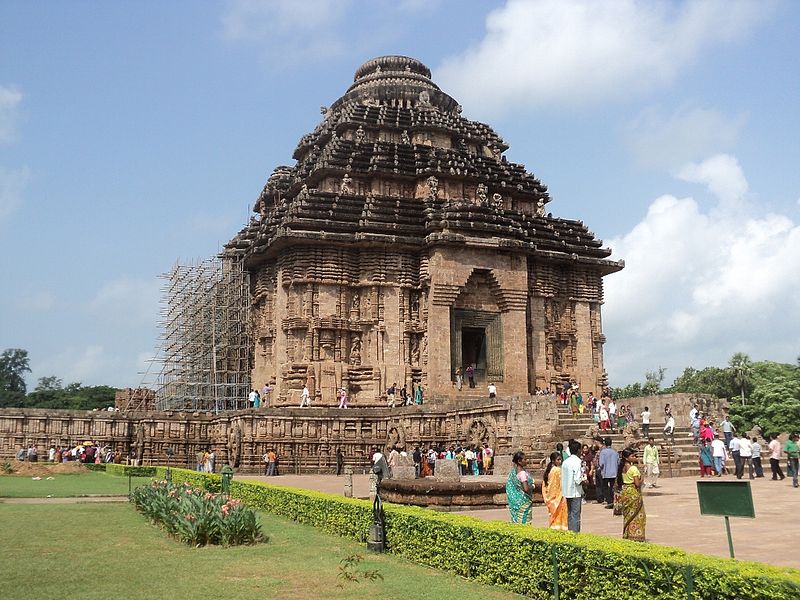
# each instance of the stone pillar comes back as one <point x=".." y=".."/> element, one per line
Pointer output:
<point x="515" y="359"/>
<point x="348" y="481"/>
<point x="373" y="486"/>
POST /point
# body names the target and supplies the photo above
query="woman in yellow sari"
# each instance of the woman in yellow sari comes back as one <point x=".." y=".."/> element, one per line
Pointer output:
<point x="551" y="491"/>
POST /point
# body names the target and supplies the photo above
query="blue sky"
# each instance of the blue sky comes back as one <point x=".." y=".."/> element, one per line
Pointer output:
<point x="136" y="134"/>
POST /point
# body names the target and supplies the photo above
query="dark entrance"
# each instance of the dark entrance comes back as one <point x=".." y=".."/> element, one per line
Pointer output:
<point x="473" y="350"/>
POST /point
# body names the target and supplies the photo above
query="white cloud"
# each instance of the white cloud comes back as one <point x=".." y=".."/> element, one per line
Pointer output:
<point x="290" y="31"/>
<point x="700" y="284"/>
<point x="722" y="175"/>
<point x="688" y="134"/>
<point x="10" y="99"/>
<point x="577" y="52"/>
<point x="132" y="301"/>
<point x="12" y="185"/>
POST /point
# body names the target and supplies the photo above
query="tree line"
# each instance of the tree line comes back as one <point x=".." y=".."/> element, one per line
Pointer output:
<point x="50" y="392"/>
<point x="764" y="393"/>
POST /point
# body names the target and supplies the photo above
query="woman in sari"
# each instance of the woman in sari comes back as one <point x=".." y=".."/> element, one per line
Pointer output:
<point x="630" y="480"/>
<point x="519" y="490"/>
<point x="551" y="491"/>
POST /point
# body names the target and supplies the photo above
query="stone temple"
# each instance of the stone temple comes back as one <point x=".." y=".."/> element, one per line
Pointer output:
<point x="400" y="247"/>
<point x="403" y="245"/>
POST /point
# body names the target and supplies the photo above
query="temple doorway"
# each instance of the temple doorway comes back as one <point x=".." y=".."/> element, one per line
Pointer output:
<point x="476" y="338"/>
<point x="473" y="350"/>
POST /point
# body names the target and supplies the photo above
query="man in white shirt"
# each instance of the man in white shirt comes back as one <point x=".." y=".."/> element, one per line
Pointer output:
<point x="734" y="446"/>
<point x="612" y="413"/>
<point x="305" y="397"/>
<point x="775" y="458"/>
<point x="646" y="422"/>
<point x="492" y="390"/>
<point x="719" y="453"/>
<point x="757" y="458"/>
<point x="251" y="398"/>
<point x="571" y="488"/>
<point x="746" y="456"/>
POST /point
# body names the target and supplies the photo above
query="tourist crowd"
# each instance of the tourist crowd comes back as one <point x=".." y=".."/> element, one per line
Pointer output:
<point x="88" y="452"/>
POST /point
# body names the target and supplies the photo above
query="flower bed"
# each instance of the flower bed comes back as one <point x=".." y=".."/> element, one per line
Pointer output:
<point x="196" y="516"/>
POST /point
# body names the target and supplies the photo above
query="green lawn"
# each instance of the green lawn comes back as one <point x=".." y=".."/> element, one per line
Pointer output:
<point x="61" y="486"/>
<point x="134" y="560"/>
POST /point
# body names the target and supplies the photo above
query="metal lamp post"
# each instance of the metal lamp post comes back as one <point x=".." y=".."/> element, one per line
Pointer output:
<point x="170" y="453"/>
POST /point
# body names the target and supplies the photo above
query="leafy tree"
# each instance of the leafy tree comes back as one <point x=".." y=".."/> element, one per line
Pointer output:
<point x="774" y="401"/>
<point x="14" y="363"/>
<point x="741" y="367"/>
<point x="652" y="381"/>
<point x="632" y="390"/>
<point x="49" y="384"/>
<point x="73" y="396"/>
<point x="710" y="380"/>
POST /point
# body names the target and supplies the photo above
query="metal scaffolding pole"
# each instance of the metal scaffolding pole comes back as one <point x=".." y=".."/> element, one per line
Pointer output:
<point x="205" y="353"/>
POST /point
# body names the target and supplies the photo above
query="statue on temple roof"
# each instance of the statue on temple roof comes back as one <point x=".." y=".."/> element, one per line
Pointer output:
<point x="433" y="186"/>
<point x="345" y="187"/>
<point x="360" y="135"/>
<point x="481" y="194"/>
<point x="404" y="139"/>
<point x="497" y="200"/>
<point x="303" y="195"/>
<point x="540" y="207"/>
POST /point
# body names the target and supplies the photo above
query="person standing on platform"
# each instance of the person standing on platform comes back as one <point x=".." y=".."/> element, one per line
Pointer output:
<point x="572" y="486"/>
<point x="792" y="451"/>
<point x="745" y="457"/>
<point x="492" y="391"/>
<point x="718" y="452"/>
<point x="471" y="376"/>
<point x="775" y="458"/>
<point x="609" y="465"/>
<point x="727" y="429"/>
<point x="759" y="469"/>
<point x="651" y="464"/>
<point x="735" y="449"/>
<point x="305" y="397"/>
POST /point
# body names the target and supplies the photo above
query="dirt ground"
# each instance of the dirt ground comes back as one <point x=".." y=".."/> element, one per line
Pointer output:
<point x="673" y="517"/>
<point x="39" y="469"/>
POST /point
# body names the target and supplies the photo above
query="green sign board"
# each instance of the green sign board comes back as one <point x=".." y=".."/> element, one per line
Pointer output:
<point x="726" y="498"/>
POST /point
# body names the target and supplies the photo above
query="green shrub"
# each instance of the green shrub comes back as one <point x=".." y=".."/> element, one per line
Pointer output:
<point x="210" y="482"/>
<point x="95" y="466"/>
<point x="196" y="516"/>
<point x="125" y="470"/>
<point x="522" y="558"/>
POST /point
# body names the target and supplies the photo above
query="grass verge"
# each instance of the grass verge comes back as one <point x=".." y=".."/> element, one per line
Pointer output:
<point x="137" y="561"/>
<point x="65" y="486"/>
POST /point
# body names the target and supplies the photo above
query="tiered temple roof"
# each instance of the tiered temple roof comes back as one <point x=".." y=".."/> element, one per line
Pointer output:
<point x="394" y="162"/>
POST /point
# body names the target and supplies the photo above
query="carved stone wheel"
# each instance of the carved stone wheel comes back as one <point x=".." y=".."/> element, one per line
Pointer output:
<point x="396" y="436"/>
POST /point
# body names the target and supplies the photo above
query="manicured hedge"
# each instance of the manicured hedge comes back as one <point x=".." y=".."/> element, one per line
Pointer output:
<point x="522" y="558"/>
<point x="95" y="466"/>
<point x="125" y="470"/>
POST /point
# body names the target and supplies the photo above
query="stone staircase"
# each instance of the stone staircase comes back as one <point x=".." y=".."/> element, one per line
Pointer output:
<point x="681" y="455"/>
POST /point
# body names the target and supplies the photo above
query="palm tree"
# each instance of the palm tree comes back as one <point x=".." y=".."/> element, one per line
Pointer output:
<point x="741" y="366"/>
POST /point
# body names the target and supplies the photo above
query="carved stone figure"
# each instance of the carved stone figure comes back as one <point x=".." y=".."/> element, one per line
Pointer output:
<point x="360" y="135"/>
<point x="414" y="306"/>
<point x="497" y="200"/>
<point x="355" y="350"/>
<point x="325" y="111"/>
<point x="345" y="187"/>
<point x="481" y="194"/>
<point x="414" y="350"/>
<point x="433" y="186"/>
<point x="262" y="208"/>
<point x="540" y="208"/>
<point x="304" y="195"/>
<point x="356" y="305"/>
<point x="404" y="139"/>
<point x="235" y="445"/>
<point x="424" y="98"/>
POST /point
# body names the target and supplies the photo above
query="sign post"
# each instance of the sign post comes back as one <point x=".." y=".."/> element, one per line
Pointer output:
<point x="726" y="499"/>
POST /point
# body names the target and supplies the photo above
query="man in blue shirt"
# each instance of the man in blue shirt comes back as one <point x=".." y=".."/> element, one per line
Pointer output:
<point x="609" y="463"/>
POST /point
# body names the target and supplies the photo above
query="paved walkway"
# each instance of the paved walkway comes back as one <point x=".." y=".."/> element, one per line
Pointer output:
<point x="673" y="517"/>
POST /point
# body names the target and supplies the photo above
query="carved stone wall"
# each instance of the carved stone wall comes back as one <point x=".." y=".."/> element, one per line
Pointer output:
<point x="305" y="439"/>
